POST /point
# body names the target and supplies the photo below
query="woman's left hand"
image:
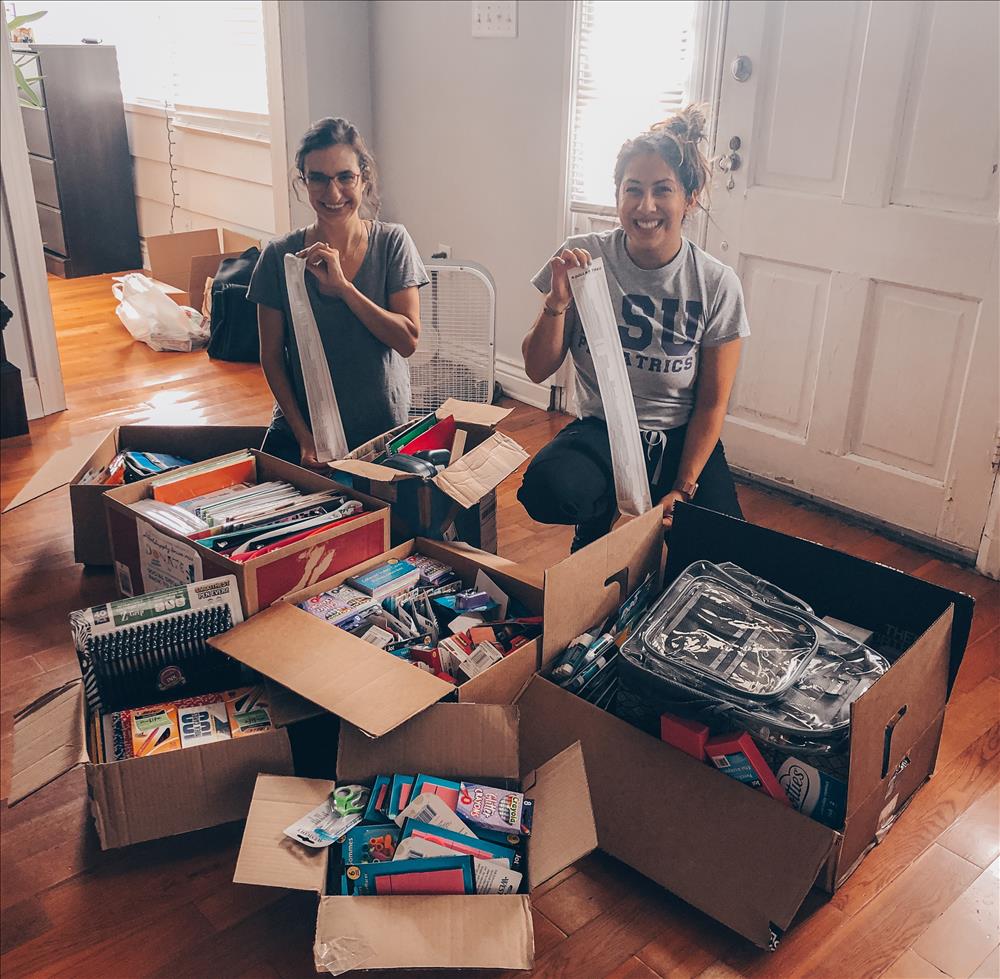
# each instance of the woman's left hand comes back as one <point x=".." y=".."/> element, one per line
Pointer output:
<point x="324" y="264"/>
<point x="668" y="507"/>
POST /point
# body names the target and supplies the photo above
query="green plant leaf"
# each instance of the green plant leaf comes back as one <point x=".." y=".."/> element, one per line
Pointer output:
<point x="23" y="19"/>
<point x="28" y="94"/>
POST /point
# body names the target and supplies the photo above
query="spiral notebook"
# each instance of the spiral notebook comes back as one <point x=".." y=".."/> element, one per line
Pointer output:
<point x="135" y="650"/>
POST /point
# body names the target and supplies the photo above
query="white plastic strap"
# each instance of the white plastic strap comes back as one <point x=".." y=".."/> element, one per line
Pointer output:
<point x="593" y="306"/>
<point x="324" y="412"/>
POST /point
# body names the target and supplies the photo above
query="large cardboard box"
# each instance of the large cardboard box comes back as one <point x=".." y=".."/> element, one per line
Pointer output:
<point x="86" y="500"/>
<point x="147" y="557"/>
<point x="461" y="495"/>
<point x="186" y="260"/>
<point x="146" y="798"/>
<point x="736" y="854"/>
<point x="327" y="669"/>
<point x="472" y="741"/>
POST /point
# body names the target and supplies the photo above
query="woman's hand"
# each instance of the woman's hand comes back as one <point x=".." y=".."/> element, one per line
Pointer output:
<point x="560" y="295"/>
<point x="668" y="506"/>
<point x="307" y="446"/>
<point x="324" y="264"/>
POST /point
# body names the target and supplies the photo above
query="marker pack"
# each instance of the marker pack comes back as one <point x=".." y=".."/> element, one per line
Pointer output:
<point x="493" y="808"/>
<point x="738" y="757"/>
<point x="481" y="849"/>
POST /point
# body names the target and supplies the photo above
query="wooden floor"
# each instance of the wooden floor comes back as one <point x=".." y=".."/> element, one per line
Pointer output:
<point x="923" y="904"/>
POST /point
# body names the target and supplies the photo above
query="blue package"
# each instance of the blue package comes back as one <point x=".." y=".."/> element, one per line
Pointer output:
<point x="378" y="801"/>
<point x="369" y="844"/>
<point x="399" y="797"/>
<point x="479" y="848"/>
<point x="814" y="793"/>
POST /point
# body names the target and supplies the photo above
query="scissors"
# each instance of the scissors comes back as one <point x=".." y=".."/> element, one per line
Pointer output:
<point x="349" y="800"/>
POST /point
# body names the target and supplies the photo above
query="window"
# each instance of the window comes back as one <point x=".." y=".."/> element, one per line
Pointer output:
<point x="206" y="55"/>
<point x="635" y="63"/>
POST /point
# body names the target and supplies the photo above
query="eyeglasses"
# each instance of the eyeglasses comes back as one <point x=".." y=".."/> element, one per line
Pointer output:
<point x="345" y="180"/>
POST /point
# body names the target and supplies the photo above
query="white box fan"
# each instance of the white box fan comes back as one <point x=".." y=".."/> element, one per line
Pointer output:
<point x="455" y="355"/>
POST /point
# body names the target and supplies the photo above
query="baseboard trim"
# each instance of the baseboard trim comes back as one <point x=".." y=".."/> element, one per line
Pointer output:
<point x="516" y="385"/>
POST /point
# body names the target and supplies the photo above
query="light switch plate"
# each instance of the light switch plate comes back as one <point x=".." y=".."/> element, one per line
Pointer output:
<point x="494" y="18"/>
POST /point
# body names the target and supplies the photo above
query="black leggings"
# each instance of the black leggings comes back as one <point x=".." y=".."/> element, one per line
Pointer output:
<point x="571" y="480"/>
<point x="280" y="442"/>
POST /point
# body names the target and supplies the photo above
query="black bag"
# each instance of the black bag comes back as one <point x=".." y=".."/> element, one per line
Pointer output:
<point x="234" y="317"/>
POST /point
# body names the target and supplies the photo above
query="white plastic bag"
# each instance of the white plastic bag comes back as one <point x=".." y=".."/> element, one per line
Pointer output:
<point x="150" y="316"/>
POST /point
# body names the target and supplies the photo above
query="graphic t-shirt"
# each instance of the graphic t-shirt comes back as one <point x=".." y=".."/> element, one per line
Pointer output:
<point x="665" y="316"/>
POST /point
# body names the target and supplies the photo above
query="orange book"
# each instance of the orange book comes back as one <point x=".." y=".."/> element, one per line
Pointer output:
<point x="206" y="481"/>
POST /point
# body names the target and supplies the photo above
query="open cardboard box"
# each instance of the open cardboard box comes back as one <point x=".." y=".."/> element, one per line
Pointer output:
<point x="482" y="459"/>
<point x="334" y="671"/>
<point x="148" y="557"/>
<point x="86" y="500"/>
<point x="477" y="742"/>
<point x="187" y="260"/>
<point x="145" y="798"/>
<point x="734" y="853"/>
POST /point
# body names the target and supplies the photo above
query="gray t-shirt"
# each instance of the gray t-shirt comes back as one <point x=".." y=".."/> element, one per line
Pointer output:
<point x="665" y="316"/>
<point x="371" y="380"/>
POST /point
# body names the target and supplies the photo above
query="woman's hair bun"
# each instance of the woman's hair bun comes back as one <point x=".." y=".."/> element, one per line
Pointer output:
<point x="688" y="125"/>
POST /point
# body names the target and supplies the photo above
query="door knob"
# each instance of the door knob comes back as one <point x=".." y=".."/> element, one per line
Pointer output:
<point x="730" y="162"/>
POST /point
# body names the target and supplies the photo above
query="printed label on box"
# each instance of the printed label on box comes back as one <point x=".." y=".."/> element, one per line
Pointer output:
<point x="165" y="562"/>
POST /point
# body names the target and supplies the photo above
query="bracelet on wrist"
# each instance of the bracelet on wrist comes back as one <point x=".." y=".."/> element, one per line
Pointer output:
<point x="554" y="312"/>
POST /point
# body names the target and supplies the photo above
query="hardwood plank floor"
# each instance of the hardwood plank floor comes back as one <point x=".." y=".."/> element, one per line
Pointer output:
<point x="923" y="903"/>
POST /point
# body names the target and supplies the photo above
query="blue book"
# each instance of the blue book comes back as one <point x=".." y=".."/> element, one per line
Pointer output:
<point x="387" y="579"/>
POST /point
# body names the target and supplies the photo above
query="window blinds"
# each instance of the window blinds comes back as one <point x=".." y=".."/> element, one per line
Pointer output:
<point x="634" y="65"/>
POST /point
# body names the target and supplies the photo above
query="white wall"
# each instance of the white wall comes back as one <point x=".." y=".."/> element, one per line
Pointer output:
<point x="469" y="138"/>
<point x="325" y="71"/>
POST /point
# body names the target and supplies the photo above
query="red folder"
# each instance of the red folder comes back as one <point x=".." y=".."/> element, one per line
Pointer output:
<point x="441" y="436"/>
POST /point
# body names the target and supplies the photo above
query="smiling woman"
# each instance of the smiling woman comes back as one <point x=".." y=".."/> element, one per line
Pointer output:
<point x="363" y="280"/>
<point x="680" y="318"/>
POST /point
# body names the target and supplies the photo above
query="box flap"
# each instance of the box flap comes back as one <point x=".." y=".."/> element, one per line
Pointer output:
<point x="563" y="830"/>
<point x="450" y="740"/>
<point x="437" y="931"/>
<point x="585" y="588"/>
<point x="472" y="413"/>
<point x="287" y="707"/>
<point x="49" y="739"/>
<point x="170" y="255"/>
<point x="369" y="470"/>
<point x="267" y="856"/>
<point x="894" y="712"/>
<point x="355" y="680"/>
<point x="481" y="469"/>
<point x="734" y="853"/>
<point x="58" y="470"/>
<point x="234" y="241"/>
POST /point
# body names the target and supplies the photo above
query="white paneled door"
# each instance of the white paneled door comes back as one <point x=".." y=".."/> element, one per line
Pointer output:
<point x="861" y="216"/>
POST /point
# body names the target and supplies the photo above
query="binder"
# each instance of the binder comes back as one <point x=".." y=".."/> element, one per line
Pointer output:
<point x="144" y="650"/>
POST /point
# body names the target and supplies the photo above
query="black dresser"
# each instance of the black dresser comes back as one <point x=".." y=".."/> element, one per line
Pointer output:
<point x="80" y="162"/>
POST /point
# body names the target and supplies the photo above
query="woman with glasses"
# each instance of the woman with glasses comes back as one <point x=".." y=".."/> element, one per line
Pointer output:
<point x="681" y="320"/>
<point x="363" y="277"/>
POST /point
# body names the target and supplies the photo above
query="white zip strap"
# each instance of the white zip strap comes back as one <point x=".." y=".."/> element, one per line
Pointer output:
<point x="324" y="412"/>
<point x="593" y="306"/>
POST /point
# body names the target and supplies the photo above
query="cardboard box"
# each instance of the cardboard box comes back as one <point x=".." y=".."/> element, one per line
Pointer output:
<point x="187" y="259"/>
<point x="472" y="741"/>
<point x="90" y="527"/>
<point x="329" y="669"/>
<point x="140" y="798"/>
<point x="729" y="851"/>
<point x="423" y="507"/>
<point x="147" y="558"/>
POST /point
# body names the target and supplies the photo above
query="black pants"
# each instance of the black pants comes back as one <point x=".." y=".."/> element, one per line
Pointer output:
<point x="280" y="442"/>
<point x="571" y="480"/>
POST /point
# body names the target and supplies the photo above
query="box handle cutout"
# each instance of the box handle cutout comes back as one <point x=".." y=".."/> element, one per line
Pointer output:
<point x="887" y="742"/>
<point x="619" y="578"/>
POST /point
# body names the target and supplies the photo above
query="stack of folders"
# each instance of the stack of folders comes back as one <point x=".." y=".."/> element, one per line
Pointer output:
<point x="219" y="505"/>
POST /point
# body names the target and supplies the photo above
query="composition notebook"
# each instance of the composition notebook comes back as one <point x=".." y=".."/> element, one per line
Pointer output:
<point x="135" y="650"/>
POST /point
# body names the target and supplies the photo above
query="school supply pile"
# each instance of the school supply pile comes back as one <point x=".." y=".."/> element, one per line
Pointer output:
<point x="220" y="506"/>
<point x="419" y="610"/>
<point x="419" y="834"/>
<point x="589" y="666"/>
<point x="134" y="650"/>
<point x="139" y="732"/>
<point x="733" y="649"/>
<point x="130" y="466"/>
